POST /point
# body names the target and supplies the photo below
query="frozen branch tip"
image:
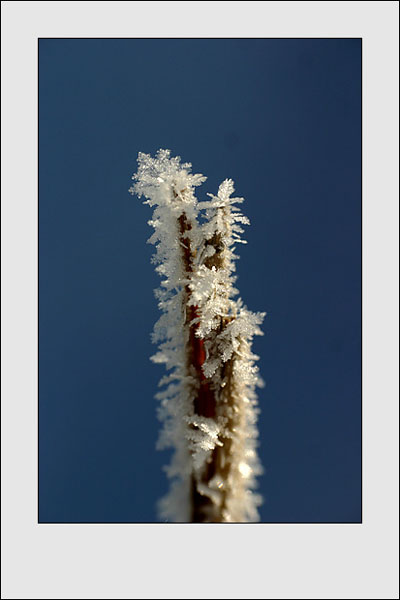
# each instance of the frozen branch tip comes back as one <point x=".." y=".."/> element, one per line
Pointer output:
<point x="208" y="404"/>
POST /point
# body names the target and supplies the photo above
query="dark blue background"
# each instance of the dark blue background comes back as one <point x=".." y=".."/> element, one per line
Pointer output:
<point x="282" y="117"/>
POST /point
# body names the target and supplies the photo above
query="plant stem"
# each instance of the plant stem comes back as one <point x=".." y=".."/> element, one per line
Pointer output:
<point x="204" y="400"/>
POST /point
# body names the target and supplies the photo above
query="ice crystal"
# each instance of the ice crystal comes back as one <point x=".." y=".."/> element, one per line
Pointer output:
<point x="208" y="404"/>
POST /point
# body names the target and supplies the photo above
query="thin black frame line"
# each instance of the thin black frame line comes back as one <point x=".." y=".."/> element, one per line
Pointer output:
<point x="189" y="523"/>
<point x="203" y="38"/>
<point x="361" y="289"/>
<point x="361" y="313"/>
<point x="38" y="280"/>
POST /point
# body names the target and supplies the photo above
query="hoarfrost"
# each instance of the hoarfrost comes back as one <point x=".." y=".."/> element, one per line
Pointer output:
<point x="208" y="404"/>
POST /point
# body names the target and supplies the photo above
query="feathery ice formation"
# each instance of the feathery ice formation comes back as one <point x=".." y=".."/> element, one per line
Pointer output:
<point x="208" y="404"/>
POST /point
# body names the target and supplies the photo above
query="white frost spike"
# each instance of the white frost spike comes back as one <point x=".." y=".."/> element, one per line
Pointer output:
<point x="202" y="435"/>
<point x="208" y="404"/>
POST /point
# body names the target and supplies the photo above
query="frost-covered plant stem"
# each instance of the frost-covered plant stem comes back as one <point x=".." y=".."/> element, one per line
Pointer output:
<point x="203" y="397"/>
<point x="208" y="407"/>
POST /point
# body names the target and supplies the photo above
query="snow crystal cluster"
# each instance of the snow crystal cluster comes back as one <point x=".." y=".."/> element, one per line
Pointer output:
<point x="208" y="404"/>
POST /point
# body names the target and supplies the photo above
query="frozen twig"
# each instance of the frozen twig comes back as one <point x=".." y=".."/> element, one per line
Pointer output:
<point x="208" y="406"/>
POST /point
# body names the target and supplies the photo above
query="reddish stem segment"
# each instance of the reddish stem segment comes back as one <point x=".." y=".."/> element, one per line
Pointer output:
<point x="204" y="402"/>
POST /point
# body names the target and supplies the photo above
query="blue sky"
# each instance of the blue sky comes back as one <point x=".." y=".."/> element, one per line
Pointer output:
<point x="282" y="117"/>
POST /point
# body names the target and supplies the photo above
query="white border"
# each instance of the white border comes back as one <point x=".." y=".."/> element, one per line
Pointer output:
<point x="158" y="561"/>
